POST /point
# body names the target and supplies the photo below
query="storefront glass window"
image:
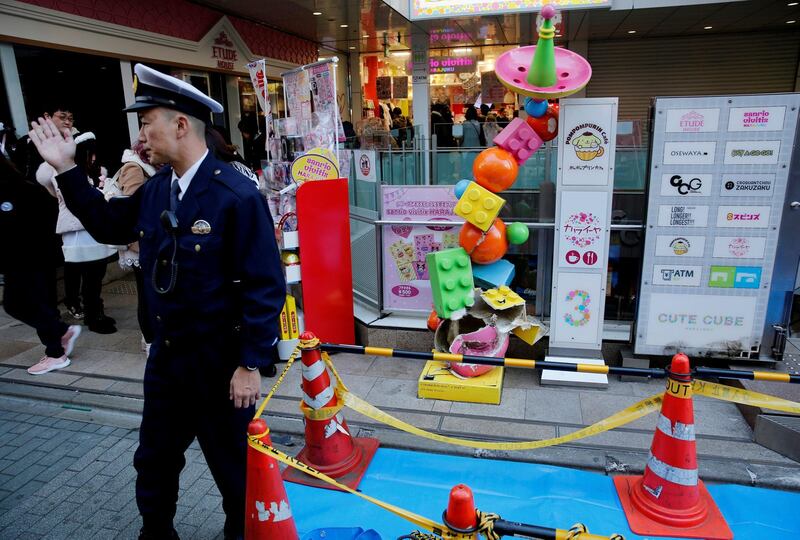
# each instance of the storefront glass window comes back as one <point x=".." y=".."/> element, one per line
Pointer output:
<point x="90" y="86"/>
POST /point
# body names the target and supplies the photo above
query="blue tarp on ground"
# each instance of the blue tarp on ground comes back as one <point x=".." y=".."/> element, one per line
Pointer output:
<point x="542" y="495"/>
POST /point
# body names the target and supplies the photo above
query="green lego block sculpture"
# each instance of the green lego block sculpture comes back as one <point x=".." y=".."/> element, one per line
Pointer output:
<point x="451" y="282"/>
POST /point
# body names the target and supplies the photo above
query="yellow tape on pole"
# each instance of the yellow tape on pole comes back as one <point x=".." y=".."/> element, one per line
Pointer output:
<point x="745" y="397"/>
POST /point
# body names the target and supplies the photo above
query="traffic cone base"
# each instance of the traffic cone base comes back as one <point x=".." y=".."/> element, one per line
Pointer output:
<point x="647" y="519"/>
<point x="349" y="471"/>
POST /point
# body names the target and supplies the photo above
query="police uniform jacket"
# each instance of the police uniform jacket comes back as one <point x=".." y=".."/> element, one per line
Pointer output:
<point x="229" y="286"/>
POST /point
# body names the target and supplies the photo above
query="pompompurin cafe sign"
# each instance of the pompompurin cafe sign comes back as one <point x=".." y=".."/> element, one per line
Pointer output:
<point x="224" y="52"/>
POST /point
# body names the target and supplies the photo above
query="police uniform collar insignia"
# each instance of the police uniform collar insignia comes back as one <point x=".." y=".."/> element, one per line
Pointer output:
<point x="201" y="226"/>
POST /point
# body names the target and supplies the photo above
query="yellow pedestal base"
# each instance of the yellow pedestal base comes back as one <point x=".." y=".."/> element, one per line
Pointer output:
<point x="437" y="382"/>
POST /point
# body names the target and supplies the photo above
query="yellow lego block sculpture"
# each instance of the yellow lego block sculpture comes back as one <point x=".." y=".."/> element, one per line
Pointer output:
<point x="479" y="206"/>
<point x="502" y="298"/>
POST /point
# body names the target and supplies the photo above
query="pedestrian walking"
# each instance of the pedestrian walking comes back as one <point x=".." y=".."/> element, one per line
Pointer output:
<point x="135" y="171"/>
<point x="28" y="261"/>
<point x="214" y="291"/>
<point x="84" y="257"/>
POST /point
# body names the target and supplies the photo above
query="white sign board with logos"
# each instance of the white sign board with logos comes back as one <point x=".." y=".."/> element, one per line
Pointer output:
<point x="583" y="219"/>
<point x="718" y="179"/>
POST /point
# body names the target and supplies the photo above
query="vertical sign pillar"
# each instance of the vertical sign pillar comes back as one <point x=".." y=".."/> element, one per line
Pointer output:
<point x="586" y="148"/>
<point x="421" y="104"/>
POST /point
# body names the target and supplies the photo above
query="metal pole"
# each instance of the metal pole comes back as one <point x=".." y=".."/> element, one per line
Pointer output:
<point x="658" y="373"/>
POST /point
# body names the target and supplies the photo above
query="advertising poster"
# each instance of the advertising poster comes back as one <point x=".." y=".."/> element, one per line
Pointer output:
<point x="717" y="185"/>
<point x="383" y="86"/>
<point x="323" y="92"/>
<point x="258" y="77"/>
<point x="492" y="90"/>
<point x="298" y="95"/>
<point x="583" y="229"/>
<point x="406" y="284"/>
<point x="400" y="87"/>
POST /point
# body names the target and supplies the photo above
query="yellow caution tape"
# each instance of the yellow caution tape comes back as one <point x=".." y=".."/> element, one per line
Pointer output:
<point x="745" y="397"/>
<point x="292" y="357"/>
<point x="416" y="519"/>
<point x="625" y="416"/>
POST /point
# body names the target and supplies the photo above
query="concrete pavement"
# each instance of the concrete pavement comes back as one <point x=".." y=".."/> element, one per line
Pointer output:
<point x="106" y="375"/>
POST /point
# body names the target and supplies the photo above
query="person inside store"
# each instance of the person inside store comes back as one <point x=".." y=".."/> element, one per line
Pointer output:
<point x="442" y="125"/>
<point x="473" y="130"/>
<point x="28" y="262"/>
<point x="214" y="291"/>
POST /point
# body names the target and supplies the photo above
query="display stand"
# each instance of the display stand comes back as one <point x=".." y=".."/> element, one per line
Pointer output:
<point x="323" y="223"/>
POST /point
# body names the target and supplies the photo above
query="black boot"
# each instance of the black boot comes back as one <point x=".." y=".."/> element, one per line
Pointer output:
<point x="152" y="534"/>
<point x="98" y="321"/>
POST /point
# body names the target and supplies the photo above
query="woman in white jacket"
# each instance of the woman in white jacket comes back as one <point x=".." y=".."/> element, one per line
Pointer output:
<point x="85" y="258"/>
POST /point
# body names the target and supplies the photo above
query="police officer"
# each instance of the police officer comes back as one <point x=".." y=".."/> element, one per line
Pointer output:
<point x="214" y="288"/>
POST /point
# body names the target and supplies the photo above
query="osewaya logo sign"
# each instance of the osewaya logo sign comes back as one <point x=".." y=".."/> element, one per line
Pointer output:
<point x="689" y="153"/>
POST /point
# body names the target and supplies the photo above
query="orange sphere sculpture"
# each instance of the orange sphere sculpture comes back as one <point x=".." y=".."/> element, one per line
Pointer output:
<point x="484" y="248"/>
<point x="495" y="169"/>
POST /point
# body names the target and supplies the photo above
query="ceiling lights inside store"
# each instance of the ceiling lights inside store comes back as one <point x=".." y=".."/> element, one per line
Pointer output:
<point x="317" y="13"/>
<point x="462" y="50"/>
<point x="401" y="53"/>
<point x="707" y="27"/>
<point x="631" y="31"/>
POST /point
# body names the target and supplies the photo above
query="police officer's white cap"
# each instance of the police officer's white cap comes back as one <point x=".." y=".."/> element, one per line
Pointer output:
<point x="155" y="89"/>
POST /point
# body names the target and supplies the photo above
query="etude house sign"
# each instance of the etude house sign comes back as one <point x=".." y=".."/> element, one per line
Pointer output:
<point x="224" y="52"/>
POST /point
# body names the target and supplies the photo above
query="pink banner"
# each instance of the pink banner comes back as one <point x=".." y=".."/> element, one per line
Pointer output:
<point x="406" y="284"/>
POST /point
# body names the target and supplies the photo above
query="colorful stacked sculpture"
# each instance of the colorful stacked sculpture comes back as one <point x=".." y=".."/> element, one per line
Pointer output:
<point x="542" y="73"/>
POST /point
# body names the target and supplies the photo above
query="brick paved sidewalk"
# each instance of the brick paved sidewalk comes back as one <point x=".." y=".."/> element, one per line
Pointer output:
<point x="62" y="477"/>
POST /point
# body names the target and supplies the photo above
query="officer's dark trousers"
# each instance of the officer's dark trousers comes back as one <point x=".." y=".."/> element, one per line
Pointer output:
<point x="186" y="396"/>
<point x="30" y="296"/>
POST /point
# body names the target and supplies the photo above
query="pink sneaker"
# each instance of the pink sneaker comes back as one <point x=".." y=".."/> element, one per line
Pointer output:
<point x="68" y="339"/>
<point x="48" y="364"/>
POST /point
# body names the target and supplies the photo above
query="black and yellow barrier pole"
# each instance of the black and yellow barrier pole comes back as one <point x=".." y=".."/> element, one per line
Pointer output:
<point x="558" y="366"/>
<point x="770" y="376"/>
<point x="510" y="528"/>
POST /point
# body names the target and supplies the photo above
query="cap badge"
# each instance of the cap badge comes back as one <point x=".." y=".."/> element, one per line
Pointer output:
<point x="135" y="83"/>
<point x="6" y="206"/>
<point x="201" y="226"/>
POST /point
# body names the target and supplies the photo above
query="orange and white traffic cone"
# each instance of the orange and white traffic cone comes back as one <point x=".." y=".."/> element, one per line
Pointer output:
<point x="669" y="499"/>
<point x="460" y="515"/>
<point x="329" y="448"/>
<point x="267" y="512"/>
